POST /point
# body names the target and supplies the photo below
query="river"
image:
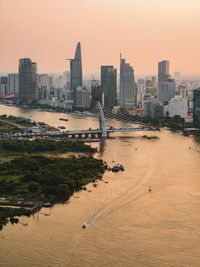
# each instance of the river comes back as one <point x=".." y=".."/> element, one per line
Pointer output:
<point x="129" y="226"/>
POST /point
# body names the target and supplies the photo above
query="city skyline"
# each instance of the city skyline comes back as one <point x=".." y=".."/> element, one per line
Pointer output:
<point x="141" y="30"/>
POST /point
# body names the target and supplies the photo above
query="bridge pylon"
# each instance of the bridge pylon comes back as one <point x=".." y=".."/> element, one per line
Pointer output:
<point x="102" y="120"/>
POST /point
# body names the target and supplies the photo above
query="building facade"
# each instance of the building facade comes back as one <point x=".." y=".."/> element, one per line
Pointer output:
<point x="163" y="71"/>
<point x="109" y="85"/>
<point x="178" y="106"/>
<point x="13" y="83"/>
<point x="127" y="86"/>
<point x="27" y="81"/>
<point x="76" y="72"/>
<point x="3" y="86"/>
<point x="153" y="108"/>
<point x="166" y="91"/>
<point x="196" y="107"/>
<point x="83" y="100"/>
<point x="96" y="94"/>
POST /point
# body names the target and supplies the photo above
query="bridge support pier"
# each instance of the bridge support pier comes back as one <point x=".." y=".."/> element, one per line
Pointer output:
<point x="93" y="136"/>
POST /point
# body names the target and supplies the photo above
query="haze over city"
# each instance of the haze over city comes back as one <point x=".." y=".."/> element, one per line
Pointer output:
<point x="100" y="133"/>
<point x="145" y="31"/>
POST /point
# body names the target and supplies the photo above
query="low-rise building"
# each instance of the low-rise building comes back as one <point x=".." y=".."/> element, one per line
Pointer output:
<point x="54" y="103"/>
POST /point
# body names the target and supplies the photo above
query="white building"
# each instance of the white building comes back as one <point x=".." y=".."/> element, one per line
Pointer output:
<point x="54" y="103"/>
<point x="178" y="106"/>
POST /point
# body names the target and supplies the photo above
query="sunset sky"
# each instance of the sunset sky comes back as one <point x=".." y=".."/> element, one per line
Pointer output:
<point x="145" y="31"/>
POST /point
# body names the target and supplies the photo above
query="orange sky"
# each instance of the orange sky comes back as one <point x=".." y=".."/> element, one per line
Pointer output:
<point x="145" y="31"/>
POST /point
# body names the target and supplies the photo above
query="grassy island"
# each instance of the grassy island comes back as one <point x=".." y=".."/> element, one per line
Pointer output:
<point x="31" y="178"/>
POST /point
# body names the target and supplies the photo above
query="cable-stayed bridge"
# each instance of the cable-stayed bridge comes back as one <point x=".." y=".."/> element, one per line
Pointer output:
<point x="106" y="119"/>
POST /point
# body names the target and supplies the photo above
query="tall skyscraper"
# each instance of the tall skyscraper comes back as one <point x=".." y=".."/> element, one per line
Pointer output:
<point x="76" y="72"/>
<point x="3" y="86"/>
<point x="13" y="83"/>
<point x="27" y="81"/>
<point x="196" y="107"/>
<point x="109" y="85"/>
<point x="166" y="86"/>
<point x="127" y="85"/>
<point x="163" y="71"/>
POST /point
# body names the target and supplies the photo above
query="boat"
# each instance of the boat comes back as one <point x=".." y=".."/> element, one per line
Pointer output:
<point x="83" y="226"/>
<point x="47" y="205"/>
<point x="117" y="168"/>
<point x="84" y="188"/>
<point x="61" y="127"/>
<point x="150" y="189"/>
<point x="63" y="119"/>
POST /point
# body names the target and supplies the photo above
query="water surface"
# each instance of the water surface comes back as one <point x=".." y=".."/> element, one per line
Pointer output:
<point x="129" y="225"/>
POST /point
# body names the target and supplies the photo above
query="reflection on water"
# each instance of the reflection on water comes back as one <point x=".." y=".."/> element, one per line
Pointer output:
<point x="102" y="145"/>
<point x="128" y="225"/>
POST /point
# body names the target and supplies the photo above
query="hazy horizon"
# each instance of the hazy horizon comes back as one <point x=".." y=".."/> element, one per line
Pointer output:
<point x="144" y="31"/>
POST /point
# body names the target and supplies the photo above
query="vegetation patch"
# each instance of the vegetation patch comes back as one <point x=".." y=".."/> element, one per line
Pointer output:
<point x="39" y="179"/>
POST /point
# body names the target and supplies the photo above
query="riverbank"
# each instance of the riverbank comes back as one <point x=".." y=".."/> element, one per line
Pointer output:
<point x="42" y="173"/>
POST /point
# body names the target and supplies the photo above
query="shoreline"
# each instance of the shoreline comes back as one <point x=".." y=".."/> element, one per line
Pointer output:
<point x="30" y="181"/>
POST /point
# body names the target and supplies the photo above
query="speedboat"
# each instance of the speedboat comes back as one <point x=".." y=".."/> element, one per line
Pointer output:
<point x="121" y="167"/>
<point x="150" y="189"/>
<point x="83" y="225"/>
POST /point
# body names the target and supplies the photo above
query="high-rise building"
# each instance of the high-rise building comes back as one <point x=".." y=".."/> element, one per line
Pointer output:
<point x="43" y="80"/>
<point x="166" y="90"/>
<point x="3" y="85"/>
<point x="153" y="80"/>
<point x="66" y="80"/>
<point x="83" y="99"/>
<point x="13" y="83"/>
<point x="140" y="90"/>
<point x="196" y="107"/>
<point x="153" y="108"/>
<point x="97" y="94"/>
<point x="177" y="77"/>
<point x="27" y="81"/>
<point x="127" y="85"/>
<point x="163" y="71"/>
<point x="109" y="85"/>
<point x="166" y="86"/>
<point x="76" y="72"/>
<point x="42" y="92"/>
<point x="58" y="82"/>
<point x="43" y="86"/>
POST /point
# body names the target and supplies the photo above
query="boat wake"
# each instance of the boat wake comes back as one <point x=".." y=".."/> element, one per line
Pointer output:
<point x="117" y="197"/>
